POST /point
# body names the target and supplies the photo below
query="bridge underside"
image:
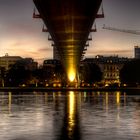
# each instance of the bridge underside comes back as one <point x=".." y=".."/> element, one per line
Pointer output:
<point x="69" y="23"/>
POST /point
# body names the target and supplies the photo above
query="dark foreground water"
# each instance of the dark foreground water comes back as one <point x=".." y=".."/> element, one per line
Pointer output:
<point x="69" y="116"/>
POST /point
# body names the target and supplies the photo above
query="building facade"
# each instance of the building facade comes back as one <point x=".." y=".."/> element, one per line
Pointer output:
<point x="137" y="52"/>
<point x="53" y="72"/>
<point x="7" y="61"/>
<point x="30" y="64"/>
<point x="110" y="67"/>
<point x="56" y="55"/>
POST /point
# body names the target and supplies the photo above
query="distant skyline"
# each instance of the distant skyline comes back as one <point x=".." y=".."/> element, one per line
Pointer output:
<point x="21" y="35"/>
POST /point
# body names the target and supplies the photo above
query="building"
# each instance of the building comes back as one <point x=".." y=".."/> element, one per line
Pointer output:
<point x="51" y="63"/>
<point x="137" y="52"/>
<point x="56" y="55"/>
<point x="7" y="61"/>
<point x="30" y="64"/>
<point x="110" y="67"/>
<point x="54" y="72"/>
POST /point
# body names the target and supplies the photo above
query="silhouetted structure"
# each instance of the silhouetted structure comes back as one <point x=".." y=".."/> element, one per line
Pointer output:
<point x="53" y="72"/>
<point x="137" y="52"/>
<point x="130" y="73"/>
<point x="69" y="23"/>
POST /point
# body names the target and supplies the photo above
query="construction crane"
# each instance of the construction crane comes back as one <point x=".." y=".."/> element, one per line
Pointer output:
<point x="136" y="32"/>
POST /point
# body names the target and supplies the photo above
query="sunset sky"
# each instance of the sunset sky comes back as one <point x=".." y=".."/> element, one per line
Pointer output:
<point x="21" y="35"/>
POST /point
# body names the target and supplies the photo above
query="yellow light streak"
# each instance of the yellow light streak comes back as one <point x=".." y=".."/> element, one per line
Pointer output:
<point x="9" y="101"/>
<point x="71" y="104"/>
<point x="71" y="71"/>
<point x="71" y="74"/>
<point x="71" y="112"/>
<point x="118" y="97"/>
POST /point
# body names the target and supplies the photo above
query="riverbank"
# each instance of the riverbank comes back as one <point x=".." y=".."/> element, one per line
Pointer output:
<point x="8" y="89"/>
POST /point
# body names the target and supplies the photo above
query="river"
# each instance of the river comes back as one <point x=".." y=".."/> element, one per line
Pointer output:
<point x="69" y="116"/>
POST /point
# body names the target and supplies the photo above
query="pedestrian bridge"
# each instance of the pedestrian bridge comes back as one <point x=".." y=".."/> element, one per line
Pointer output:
<point x="69" y="23"/>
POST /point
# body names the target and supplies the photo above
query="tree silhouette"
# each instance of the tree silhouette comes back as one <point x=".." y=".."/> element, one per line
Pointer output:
<point x="91" y="73"/>
<point x="18" y="74"/>
<point x="130" y="73"/>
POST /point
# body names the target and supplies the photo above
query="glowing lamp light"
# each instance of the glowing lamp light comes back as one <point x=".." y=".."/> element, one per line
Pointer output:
<point x="71" y="75"/>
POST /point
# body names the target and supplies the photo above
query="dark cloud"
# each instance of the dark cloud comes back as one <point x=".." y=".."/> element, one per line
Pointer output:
<point x="45" y="49"/>
<point x="110" y="52"/>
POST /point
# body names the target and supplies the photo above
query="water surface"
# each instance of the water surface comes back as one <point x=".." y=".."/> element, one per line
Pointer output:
<point x="69" y="116"/>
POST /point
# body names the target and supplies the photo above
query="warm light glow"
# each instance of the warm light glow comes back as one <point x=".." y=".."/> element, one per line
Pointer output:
<point x="118" y="97"/>
<point x="71" y="104"/>
<point x="10" y="101"/>
<point x="71" y="75"/>
<point x="71" y="112"/>
<point x="106" y="98"/>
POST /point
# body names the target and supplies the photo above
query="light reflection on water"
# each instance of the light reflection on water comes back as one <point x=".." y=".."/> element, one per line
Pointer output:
<point x="69" y="116"/>
<point x="71" y="112"/>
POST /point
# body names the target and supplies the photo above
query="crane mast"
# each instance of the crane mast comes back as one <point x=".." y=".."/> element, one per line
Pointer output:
<point x="122" y="30"/>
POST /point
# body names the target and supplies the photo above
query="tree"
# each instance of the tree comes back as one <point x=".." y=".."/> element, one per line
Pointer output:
<point x="18" y="74"/>
<point x="91" y="73"/>
<point x="130" y="73"/>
